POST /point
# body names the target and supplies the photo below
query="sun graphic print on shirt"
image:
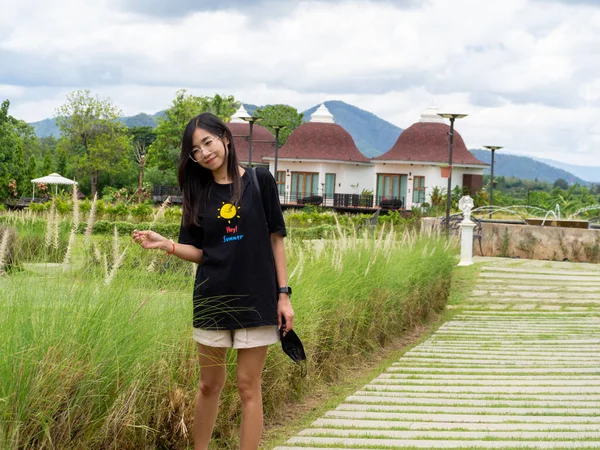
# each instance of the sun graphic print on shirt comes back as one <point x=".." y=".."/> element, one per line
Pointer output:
<point x="228" y="212"/>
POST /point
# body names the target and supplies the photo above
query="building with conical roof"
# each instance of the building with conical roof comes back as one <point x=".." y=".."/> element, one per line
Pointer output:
<point x="321" y="158"/>
<point x="263" y="141"/>
<point x="418" y="162"/>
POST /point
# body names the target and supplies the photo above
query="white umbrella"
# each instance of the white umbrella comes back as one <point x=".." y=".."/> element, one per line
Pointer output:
<point x="54" y="179"/>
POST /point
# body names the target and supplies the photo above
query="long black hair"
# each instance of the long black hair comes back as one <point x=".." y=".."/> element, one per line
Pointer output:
<point x="195" y="180"/>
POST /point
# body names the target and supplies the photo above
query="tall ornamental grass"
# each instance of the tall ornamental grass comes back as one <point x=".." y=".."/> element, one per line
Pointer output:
<point x="96" y="365"/>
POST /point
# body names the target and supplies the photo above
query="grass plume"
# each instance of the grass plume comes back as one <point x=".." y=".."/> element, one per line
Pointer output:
<point x="91" y="219"/>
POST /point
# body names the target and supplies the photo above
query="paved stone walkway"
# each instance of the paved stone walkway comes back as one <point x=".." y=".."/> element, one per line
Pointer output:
<point x="517" y="367"/>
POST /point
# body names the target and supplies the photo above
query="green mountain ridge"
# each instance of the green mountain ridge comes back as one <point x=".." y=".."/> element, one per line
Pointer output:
<point x="48" y="127"/>
<point x="524" y="167"/>
<point x="588" y="173"/>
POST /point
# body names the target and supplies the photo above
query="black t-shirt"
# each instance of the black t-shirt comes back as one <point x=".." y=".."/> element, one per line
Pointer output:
<point x="236" y="284"/>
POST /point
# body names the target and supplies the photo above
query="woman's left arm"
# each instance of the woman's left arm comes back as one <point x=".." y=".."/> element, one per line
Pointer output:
<point x="284" y="305"/>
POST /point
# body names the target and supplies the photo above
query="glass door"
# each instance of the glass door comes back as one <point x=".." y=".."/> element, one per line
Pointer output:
<point x="304" y="184"/>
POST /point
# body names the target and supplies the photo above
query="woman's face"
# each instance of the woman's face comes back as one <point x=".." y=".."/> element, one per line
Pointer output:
<point x="209" y="149"/>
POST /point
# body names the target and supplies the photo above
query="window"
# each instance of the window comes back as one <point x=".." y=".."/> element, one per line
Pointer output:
<point x="419" y="190"/>
<point x="391" y="187"/>
<point x="304" y="184"/>
<point x="329" y="185"/>
<point x="281" y="182"/>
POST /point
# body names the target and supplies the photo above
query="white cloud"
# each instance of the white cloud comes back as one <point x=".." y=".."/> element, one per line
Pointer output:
<point x="525" y="70"/>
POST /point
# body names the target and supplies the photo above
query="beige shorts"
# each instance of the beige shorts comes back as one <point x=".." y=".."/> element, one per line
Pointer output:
<point x="242" y="338"/>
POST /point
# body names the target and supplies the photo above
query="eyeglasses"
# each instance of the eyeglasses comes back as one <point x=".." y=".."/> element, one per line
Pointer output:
<point x="210" y="144"/>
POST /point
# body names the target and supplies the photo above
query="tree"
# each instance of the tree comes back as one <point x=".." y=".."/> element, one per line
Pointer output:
<point x="47" y="143"/>
<point x="282" y="115"/>
<point x="31" y="143"/>
<point x="32" y="168"/>
<point x="61" y="161"/>
<point x="12" y="160"/>
<point x="91" y="129"/>
<point x="47" y="164"/>
<point x="164" y="151"/>
<point x="19" y="169"/>
<point x="561" y="183"/>
<point x="222" y="107"/>
<point x="142" y="137"/>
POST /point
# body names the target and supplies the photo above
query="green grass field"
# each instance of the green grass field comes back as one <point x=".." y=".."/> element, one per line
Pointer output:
<point x="96" y="349"/>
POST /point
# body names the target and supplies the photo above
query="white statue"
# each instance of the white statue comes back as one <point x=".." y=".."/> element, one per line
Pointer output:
<point x="465" y="204"/>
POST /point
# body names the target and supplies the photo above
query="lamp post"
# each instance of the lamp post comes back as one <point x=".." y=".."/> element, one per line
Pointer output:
<point x="277" y="128"/>
<point x="452" y="118"/>
<point x="493" y="148"/>
<point x="251" y="120"/>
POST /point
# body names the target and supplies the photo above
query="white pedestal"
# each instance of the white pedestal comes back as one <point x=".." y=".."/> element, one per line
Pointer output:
<point x="466" y="243"/>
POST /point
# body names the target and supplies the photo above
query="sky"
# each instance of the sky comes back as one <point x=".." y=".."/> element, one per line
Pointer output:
<point x="526" y="71"/>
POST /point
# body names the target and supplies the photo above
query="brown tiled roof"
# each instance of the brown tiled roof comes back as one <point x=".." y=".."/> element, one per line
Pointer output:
<point x="428" y="141"/>
<point x="264" y="147"/>
<point x="317" y="140"/>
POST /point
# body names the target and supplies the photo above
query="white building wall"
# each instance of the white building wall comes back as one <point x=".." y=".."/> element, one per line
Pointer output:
<point x="432" y="174"/>
<point x="435" y="178"/>
<point x="346" y="175"/>
<point x="353" y="179"/>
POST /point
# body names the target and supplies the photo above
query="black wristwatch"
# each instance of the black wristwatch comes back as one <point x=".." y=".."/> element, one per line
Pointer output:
<point x="285" y="290"/>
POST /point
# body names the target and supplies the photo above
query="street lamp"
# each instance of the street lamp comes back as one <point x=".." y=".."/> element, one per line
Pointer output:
<point x="277" y="128"/>
<point x="452" y="118"/>
<point x="251" y="121"/>
<point x="493" y="148"/>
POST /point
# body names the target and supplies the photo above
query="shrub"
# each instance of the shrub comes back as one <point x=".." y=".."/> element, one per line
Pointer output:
<point x="39" y="207"/>
<point x="318" y="232"/>
<point x="100" y="208"/>
<point x="173" y="213"/>
<point x="142" y="211"/>
<point x="64" y="206"/>
<point x="118" y="210"/>
<point x="170" y="230"/>
<point x="111" y="194"/>
<point x="85" y="206"/>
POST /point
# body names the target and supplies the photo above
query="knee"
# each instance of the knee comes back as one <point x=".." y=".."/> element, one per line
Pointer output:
<point x="249" y="388"/>
<point x="211" y="387"/>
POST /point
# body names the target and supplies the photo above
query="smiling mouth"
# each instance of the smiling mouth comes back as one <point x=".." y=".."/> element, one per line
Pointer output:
<point x="208" y="161"/>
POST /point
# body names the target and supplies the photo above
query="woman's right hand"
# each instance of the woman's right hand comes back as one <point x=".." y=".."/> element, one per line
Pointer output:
<point x="150" y="239"/>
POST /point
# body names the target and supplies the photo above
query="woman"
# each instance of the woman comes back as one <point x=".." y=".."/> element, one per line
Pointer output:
<point x="234" y="230"/>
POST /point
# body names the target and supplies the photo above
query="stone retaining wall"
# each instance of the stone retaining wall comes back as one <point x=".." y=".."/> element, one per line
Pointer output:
<point x="534" y="242"/>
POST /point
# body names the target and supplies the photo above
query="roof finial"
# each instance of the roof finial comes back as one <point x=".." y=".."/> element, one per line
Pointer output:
<point x="322" y="115"/>
<point x="430" y="115"/>
<point x="237" y="117"/>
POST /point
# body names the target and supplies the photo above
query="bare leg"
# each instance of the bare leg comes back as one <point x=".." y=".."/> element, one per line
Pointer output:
<point x="249" y="371"/>
<point x="212" y="380"/>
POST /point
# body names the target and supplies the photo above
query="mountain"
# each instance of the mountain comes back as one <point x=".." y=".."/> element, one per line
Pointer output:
<point x="48" y="127"/>
<point x="141" y="120"/>
<point x="45" y="128"/>
<point x="591" y="174"/>
<point x="524" y="167"/>
<point x="373" y="136"/>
